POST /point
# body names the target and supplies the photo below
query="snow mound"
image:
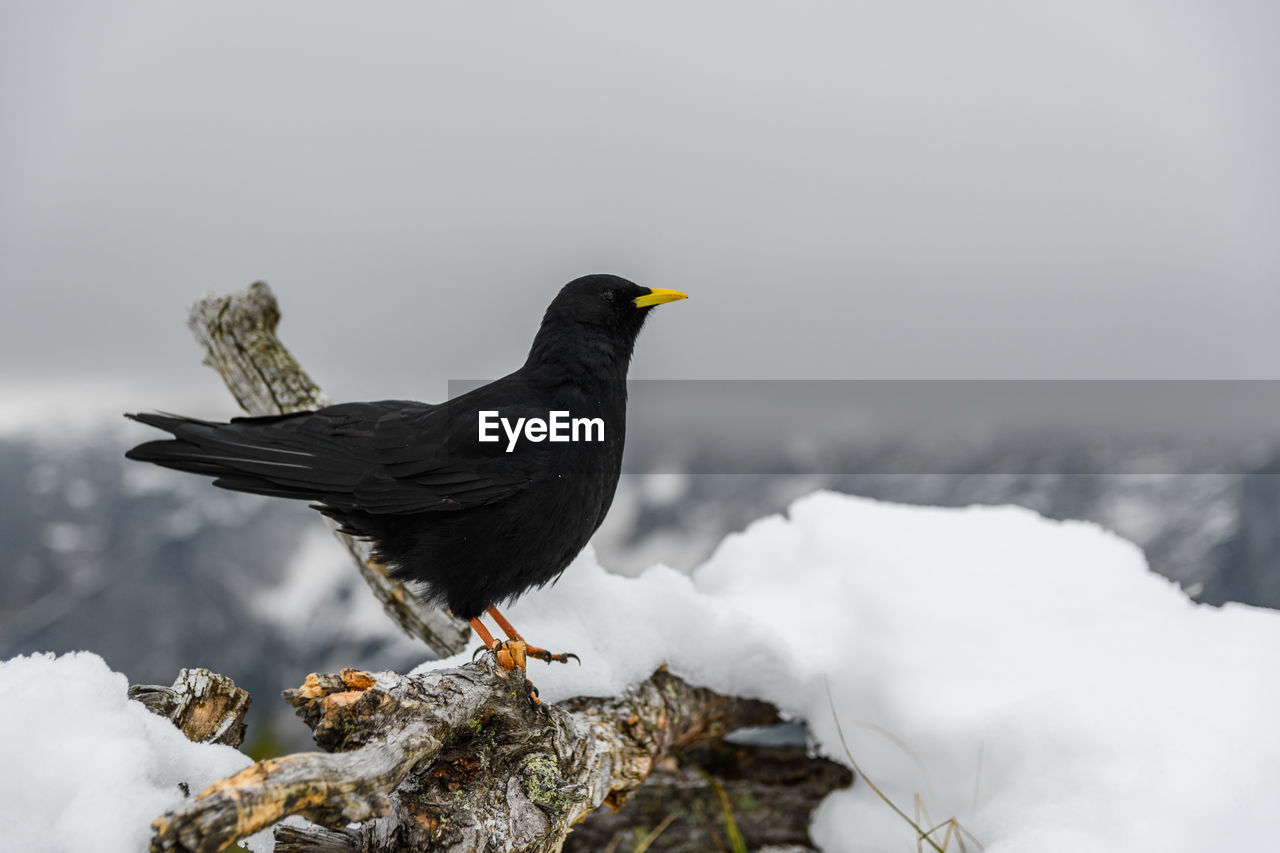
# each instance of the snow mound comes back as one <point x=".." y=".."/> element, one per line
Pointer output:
<point x="1030" y="678"/>
<point x="84" y="767"/>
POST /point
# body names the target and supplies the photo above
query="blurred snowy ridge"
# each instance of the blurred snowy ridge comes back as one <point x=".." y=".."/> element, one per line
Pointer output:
<point x="156" y="570"/>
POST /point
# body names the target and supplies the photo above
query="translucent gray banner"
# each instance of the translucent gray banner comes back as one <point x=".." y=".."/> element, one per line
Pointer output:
<point x="892" y="427"/>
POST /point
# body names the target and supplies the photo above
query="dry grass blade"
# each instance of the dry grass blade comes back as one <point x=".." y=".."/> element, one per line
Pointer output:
<point x="920" y="833"/>
<point x="730" y="824"/>
<point x="647" y="841"/>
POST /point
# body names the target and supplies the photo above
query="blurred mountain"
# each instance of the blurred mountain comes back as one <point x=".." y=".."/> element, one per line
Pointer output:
<point x="157" y="570"/>
<point x="1214" y="532"/>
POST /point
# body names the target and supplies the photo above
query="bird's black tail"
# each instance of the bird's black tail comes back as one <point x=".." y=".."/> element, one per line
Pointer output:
<point x="246" y="455"/>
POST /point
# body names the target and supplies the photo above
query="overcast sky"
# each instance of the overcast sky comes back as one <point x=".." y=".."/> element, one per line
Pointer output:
<point x="940" y="190"/>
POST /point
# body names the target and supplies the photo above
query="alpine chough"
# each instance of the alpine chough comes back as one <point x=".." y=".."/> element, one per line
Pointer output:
<point x="469" y="523"/>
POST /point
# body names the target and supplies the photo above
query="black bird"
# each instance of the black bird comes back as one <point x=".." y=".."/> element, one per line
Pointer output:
<point x="473" y="523"/>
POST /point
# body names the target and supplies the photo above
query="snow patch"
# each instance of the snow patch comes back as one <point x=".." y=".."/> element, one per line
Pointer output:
<point x="85" y="767"/>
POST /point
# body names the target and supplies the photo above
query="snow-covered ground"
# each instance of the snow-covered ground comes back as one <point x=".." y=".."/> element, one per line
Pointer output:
<point x="85" y="768"/>
<point x="1030" y="678"/>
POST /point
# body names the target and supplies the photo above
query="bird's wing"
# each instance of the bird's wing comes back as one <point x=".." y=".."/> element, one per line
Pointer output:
<point x="429" y="458"/>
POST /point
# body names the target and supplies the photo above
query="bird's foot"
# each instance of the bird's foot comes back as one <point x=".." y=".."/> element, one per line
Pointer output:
<point x="514" y="654"/>
<point x="510" y="654"/>
<point x="514" y="636"/>
<point x="549" y="657"/>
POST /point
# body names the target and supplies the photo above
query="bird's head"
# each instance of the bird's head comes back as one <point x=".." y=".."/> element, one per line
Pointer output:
<point x="599" y="315"/>
<point x="609" y="301"/>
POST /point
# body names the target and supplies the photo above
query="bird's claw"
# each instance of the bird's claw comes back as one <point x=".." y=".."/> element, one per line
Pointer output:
<point x="549" y="657"/>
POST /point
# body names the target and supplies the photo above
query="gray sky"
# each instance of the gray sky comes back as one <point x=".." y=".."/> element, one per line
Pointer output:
<point x="1080" y="189"/>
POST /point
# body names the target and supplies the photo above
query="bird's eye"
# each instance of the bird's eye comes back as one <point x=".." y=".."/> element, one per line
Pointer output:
<point x="607" y="296"/>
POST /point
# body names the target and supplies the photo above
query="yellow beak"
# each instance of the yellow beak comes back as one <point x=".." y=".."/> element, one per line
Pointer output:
<point x="657" y="296"/>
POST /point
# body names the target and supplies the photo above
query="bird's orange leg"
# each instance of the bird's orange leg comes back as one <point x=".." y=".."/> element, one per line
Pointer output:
<point x="507" y="627"/>
<point x="531" y="651"/>
<point x="510" y="654"/>
<point x="485" y="636"/>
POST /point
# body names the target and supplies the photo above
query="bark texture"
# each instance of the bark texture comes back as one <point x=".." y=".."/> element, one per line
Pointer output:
<point x="238" y="333"/>
<point x="205" y="706"/>
<point x="768" y="793"/>
<point x="454" y="760"/>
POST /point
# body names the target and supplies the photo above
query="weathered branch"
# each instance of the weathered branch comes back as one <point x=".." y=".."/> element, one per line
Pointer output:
<point x="453" y="760"/>
<point x="205" y="706"/>
<point x="238" y="333"/>
<point x="770" y="791"/>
